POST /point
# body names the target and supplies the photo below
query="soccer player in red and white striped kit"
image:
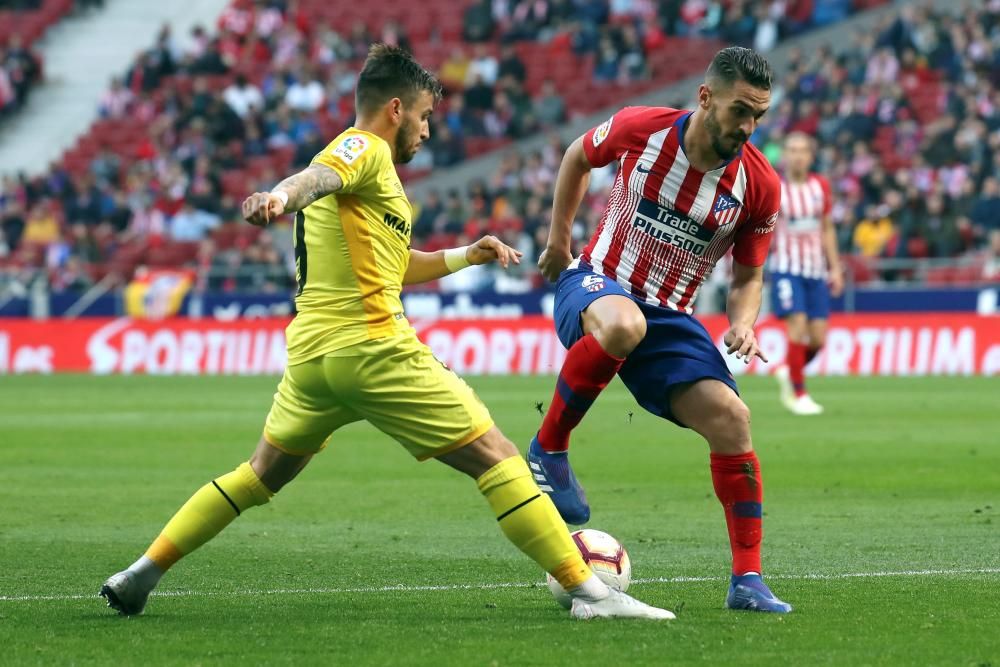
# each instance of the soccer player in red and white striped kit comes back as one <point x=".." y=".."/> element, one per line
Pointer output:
<point x="689" y="187"/>
<point x="804" y="267"/>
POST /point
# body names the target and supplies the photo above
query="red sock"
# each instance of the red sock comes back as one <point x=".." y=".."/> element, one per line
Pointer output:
<point x="587" y="370"/>
<point x="796" y="366"/>
<point x="740" y="490"/>
<point x="811" y="353"/>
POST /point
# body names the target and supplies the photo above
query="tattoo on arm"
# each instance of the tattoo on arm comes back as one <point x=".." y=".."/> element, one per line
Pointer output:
<point x="312" y="183"/>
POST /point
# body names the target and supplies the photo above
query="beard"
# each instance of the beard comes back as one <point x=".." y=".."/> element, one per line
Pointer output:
<point x="726" y="146"/>
<point x="405" y="139"/>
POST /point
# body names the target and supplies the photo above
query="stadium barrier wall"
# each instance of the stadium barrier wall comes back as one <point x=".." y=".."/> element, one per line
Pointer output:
<point x="887" y="344"/>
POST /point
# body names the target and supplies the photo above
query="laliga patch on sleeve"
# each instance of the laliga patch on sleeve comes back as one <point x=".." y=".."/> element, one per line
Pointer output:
<point x="351" y="148"/>
<point x="602" y="132"/>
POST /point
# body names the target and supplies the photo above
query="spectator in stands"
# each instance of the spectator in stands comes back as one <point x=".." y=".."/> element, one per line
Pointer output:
<point x="222" y="125"/>
<point x="454" y="71"/>
<point x="191" y="224"/>
<point x="306" y="92"/>
<point x="606" y="66"/>
<point x="431" y="216"/>
<point x="550" y="109"/>
<point x="511" y="66"/>
<point x="477" y="21"/>
<point x="939" y="146"/>
<point x="479" y="97"/>
<point x="106" y="167"/>
<point x="210" y="62"/>
<point x="632" y="56"/>
<point x="939" y="227"/>
<point x="394" y="34"/>
<point x="116" y="218"/>
<point x="268" y="19"/>
<point x="286" y="46"/>
<point x="21" y="67"/>
<point x="42" y="225"/>
<point x="243" y="96"/>
<point x="985" y="212"/>
<point x="483" y="67"/>
<point x="873" y="233"/>
<point x="329" y="46"/>
<point x="12" y="223"/>
<point x="83" y="246"/>
<point x="116" y="101"/>
<point x="360" y="39"/>
<point x="203" y="187"/>
<point x="446" y="147"/>
<point x="83" y="204"/>
<point x="308" y="147"/>
<point x="197" y="44"/>
<point x="528" y="19"/>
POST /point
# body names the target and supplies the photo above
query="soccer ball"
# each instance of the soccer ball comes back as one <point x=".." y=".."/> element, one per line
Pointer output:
<point x="606" y="557"/>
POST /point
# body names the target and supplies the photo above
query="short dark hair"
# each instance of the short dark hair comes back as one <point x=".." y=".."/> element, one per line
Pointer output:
<point x="390" y="72"/>
<point x="736" y="63"/>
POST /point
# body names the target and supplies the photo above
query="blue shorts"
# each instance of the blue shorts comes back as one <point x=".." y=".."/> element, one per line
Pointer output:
<point x="677" y="349"/>
<point x="795" y="294"/>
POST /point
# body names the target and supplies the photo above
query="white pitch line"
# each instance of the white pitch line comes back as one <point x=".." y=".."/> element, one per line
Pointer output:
<point x="405" y="588"/>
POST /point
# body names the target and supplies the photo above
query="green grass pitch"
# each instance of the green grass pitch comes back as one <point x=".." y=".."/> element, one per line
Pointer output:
<point x="372" y="559"/>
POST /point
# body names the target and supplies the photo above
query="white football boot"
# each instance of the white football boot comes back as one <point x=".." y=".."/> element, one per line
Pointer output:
<point x="125" y="593"/>
<point x="805" y="405"/>
<point x="797" y="405"/>
<point x="785" y="389"/>
<point x="617" y="605"/>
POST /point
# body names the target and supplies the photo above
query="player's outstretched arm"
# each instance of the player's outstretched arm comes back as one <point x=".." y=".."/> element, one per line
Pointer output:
<point x="427" y="266"/>
<point x="292" y="194"/>
<point x="742" y="307"/>
<point x="571" y="185"/>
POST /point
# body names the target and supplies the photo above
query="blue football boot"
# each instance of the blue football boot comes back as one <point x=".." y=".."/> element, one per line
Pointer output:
<point x="554" y="476"/>
<point x="751" y="593"/>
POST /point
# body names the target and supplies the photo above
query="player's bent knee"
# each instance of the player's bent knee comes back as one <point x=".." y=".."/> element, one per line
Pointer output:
<point x="274" y="467"/>
<point x="729" y="431"/>
<point x="481" y="454"/>
<point x="623" y="334"/>
<point x="738" y="425"/>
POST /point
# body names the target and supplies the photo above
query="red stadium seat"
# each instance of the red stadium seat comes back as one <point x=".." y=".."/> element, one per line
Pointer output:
<point x="225" y="235"/>
<point x="860" y="269"/>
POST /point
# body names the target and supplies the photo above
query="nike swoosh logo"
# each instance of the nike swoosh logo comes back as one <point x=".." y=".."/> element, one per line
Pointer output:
<point x="640" y="165"/>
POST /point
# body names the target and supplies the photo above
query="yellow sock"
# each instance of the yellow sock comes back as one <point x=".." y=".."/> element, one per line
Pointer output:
<point x="529" y="519"/>
<point x="206" y="513"/>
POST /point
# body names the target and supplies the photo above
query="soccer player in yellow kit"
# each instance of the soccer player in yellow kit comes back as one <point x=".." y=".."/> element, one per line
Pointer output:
<point x="353" y="356"/>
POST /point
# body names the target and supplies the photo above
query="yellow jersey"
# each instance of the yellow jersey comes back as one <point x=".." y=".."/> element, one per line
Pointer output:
<point x="351" y="251"/>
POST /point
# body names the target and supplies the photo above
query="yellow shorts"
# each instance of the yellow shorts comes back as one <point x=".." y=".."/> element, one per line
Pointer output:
<point x="394" y="383"/>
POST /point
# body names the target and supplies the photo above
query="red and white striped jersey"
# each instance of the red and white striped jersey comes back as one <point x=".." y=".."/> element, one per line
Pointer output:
<point x="667" y="224"/>
<point x="798" y="242"/>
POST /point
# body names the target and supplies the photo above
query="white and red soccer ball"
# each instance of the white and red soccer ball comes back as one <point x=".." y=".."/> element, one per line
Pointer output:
<point x="606" y="557"/>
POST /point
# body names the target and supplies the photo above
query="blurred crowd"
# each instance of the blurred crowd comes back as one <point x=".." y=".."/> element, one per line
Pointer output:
<point x="908" y="124"/>
<point x="22" y="22"/>
<point x="907" y="121"/>
<point x="237" y="107"/>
